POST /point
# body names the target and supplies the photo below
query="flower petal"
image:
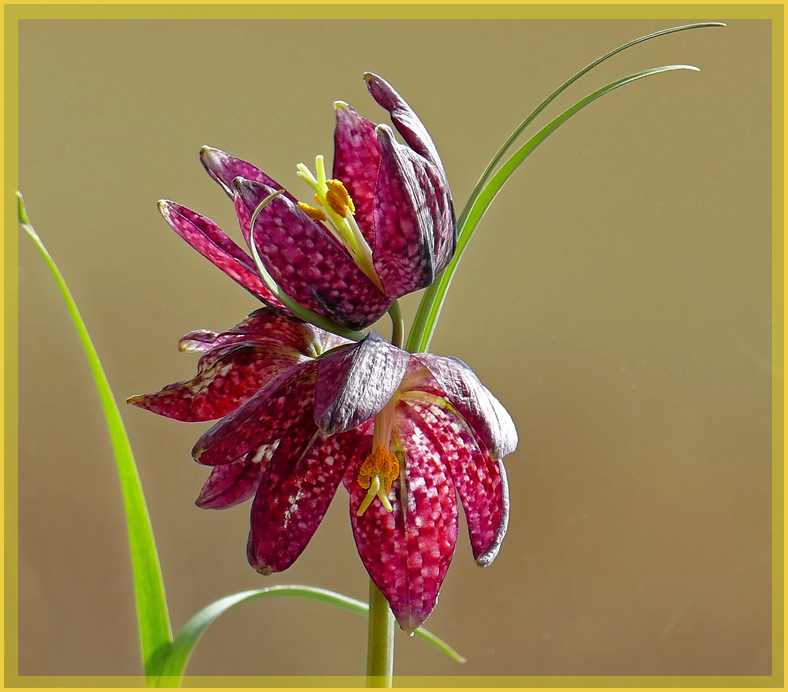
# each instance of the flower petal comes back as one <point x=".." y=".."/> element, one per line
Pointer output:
<point x="356" y="161"/>
<point x="236" y="364"/>
<point x="487" y="417"/>
<point x="213" y="244"/>
<point x="404" y="224"/>
<point x="264" y="418"/>
<point x="224" y="168"/>
<point x="295" y="491"/>
<point x="479" y="479"/>
<point x="404" y="118"/>
<point x="418" y="139"/>
<point x="306" y="261"/>
<point x="198" y="341"/>
<point x="223" y="382"/>
<point x="266" y="327"/>
<point x="231" y="484"/>
<point x="444" y="226"/>
<point x="355" y="383"/>
<point x="408" y="551"/>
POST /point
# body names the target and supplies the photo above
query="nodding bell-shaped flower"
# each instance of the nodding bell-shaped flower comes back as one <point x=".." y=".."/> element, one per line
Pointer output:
<point x="382" y="226"/>
<point x="234" y="365"/>
<point x="406" y="434"/>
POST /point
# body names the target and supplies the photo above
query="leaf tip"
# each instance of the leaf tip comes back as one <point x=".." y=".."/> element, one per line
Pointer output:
<point x="20" y="208"/>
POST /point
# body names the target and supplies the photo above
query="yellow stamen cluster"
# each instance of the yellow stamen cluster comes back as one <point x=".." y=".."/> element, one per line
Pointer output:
<point x="338" y="198"/>
<point x="312" y="212"/>
<point x="376" y="475"/>
<point x="335" y="207"/>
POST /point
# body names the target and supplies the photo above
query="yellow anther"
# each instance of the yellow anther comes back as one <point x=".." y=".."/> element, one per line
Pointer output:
<point x="376" y="475"/>
<point x="339" y="199"/>
<point x="312" y="212"/>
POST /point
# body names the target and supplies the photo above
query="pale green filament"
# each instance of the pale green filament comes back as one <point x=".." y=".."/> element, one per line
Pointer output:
<point x="376" y="490"/>
<point x="343" y="228"/>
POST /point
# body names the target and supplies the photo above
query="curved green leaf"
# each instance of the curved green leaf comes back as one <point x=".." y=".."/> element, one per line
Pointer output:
<point x="154" y="621"/>
<point x="182" y="647"/>
<point x="532" y="116"/>
<point x="432" y="301"/>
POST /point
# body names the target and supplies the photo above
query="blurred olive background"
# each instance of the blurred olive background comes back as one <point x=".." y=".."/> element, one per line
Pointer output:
<point x="616" y="298"/>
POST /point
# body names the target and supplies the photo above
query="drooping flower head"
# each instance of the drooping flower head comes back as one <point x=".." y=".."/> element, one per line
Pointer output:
<point x="406" y="433"/>
<point x="381" y="227"/>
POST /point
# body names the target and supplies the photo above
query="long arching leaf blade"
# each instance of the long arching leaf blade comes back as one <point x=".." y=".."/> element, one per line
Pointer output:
<point x="432" y="301"/>
<point x="187" y="639"/>
<point x="536" y="111"/>
<point x="152" y="615"/>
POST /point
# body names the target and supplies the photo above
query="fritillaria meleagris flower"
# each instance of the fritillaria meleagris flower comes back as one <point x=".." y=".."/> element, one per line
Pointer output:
<point x="406" y="433"/>
<point x="381" y="227"/>
<point x="235" y="365"/>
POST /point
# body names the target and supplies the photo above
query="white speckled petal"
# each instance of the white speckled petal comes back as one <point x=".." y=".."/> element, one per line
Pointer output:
<point x="236" y="364"/>
<point x="479" y="479"/>
<point x="408" y="551"/>
<point x="264" y="418"/>
<point x="295" y="491"/>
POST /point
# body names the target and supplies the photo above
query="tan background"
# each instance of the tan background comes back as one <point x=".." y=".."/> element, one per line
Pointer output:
<point x="616" y="299"/>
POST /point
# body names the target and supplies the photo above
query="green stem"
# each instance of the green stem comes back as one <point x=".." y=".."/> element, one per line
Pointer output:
<point x="429" y="309"/>
<point x="380" y="649"/>
<point x="397" y="325"/>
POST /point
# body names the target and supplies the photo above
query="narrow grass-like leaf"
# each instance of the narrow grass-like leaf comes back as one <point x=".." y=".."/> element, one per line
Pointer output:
<point x="154" y="621"/>
<point x="533" y="115"/>
<point x="181" y="650"/>
<point x="432" y="301"/>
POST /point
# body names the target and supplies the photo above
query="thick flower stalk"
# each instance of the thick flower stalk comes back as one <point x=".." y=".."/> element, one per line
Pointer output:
<point x="405" y="433"/>
<point x="382" y="226"/>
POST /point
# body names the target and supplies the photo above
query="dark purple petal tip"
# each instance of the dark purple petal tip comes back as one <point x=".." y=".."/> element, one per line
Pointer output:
<point x="404" y="118"/>
<point x="224" y="168"/>
<point x="356" y="383"/>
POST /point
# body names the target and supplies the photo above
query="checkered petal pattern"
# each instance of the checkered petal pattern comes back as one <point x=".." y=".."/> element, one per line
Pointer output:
<point x="408" y="551"/>
<point x="234" y="365"/>
<point x="295" y="490"/>
<point x="306" y="261"/>
<point x="231" y="484"/>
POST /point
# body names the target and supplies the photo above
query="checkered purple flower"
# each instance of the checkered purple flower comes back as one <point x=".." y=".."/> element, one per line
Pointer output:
<point x="381" y="227"/>
<point x="302" y="411"/>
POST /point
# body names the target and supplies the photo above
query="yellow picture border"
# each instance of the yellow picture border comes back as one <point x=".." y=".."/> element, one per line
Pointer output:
<point x="397" y="10"/>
